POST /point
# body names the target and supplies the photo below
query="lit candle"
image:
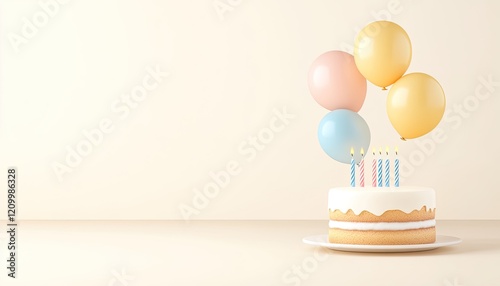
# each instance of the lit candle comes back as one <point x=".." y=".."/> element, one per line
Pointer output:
<point x="387" y="168"/>
<point x="374" y="170"/>
<point x="362" y="169"/>
<point x="379" y="169"/>
<point x="396" y="170"/>
<point x="353" y="170"/>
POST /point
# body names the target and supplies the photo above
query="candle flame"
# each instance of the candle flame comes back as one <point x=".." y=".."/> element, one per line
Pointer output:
<point x="387" y="150"/>
<point x="380" y="150"/>
<point x="352" y="151"/>
<point x="362" y="152"/>
<point x="396" y="150"/>
<point x="373" y="150"/>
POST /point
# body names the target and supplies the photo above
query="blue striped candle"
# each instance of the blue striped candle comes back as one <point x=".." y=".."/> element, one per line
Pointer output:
<point x="396" y="170"/>
<point x="379" y="169"/>
<point x="353" y="169"/>
<point x="387" y="169"/>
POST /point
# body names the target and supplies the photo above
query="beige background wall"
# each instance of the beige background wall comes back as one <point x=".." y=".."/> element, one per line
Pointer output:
<point x="225" y="76"/>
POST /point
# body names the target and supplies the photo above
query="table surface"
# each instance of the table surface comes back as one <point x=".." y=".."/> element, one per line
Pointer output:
<point x="112" y="253"/>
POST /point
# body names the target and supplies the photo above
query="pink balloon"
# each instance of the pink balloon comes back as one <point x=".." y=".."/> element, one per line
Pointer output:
<point x="336" y="83"/>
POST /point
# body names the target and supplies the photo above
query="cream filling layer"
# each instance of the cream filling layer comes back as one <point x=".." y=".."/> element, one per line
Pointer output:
<point x="381" y="225"/>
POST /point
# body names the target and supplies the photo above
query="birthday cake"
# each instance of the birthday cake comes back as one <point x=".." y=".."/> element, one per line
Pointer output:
<point x="382" y="216"/>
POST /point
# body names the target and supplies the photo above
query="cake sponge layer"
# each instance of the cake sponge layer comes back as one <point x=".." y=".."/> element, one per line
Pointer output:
<point x="387" y="216"/>
<point x="371" y="237"/>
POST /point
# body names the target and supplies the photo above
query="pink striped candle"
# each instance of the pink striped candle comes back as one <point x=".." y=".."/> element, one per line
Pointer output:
<point x="362" y="169"/>
<point x="374" y="170"/>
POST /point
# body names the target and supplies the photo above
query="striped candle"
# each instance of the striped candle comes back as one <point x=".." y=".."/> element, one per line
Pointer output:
<point x="387" y="168"/>
<point x="396" y="170"/>
<point x="353" y="170"/>
<point x="379" y="169"/>
<point x="374" y="170"/>
<point x="362" y="169"/>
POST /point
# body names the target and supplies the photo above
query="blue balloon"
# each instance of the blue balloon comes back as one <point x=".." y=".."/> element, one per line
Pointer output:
<point x="343" y="129"/>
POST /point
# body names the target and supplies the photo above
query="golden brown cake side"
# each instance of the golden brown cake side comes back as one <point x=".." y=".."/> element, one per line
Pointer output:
<point x="382" y="237"/>
<point x="393" y="227"/>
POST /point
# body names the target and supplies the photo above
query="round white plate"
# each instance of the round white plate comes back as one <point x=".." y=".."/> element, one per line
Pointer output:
<point x="322" y="240"/>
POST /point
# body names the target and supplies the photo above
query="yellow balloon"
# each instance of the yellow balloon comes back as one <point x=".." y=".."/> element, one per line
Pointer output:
<point x="415" y="105"/>
<point x="382" y="52"/>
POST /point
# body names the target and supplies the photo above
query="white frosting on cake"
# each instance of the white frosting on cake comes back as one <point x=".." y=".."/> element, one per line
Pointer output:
<point x="379" y="200"/>
<point x="381" y="225"/>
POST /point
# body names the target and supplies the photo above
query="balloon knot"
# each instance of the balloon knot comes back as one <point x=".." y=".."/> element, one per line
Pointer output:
<point x="384" y="88"/>
<point x="402" y="138"/>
